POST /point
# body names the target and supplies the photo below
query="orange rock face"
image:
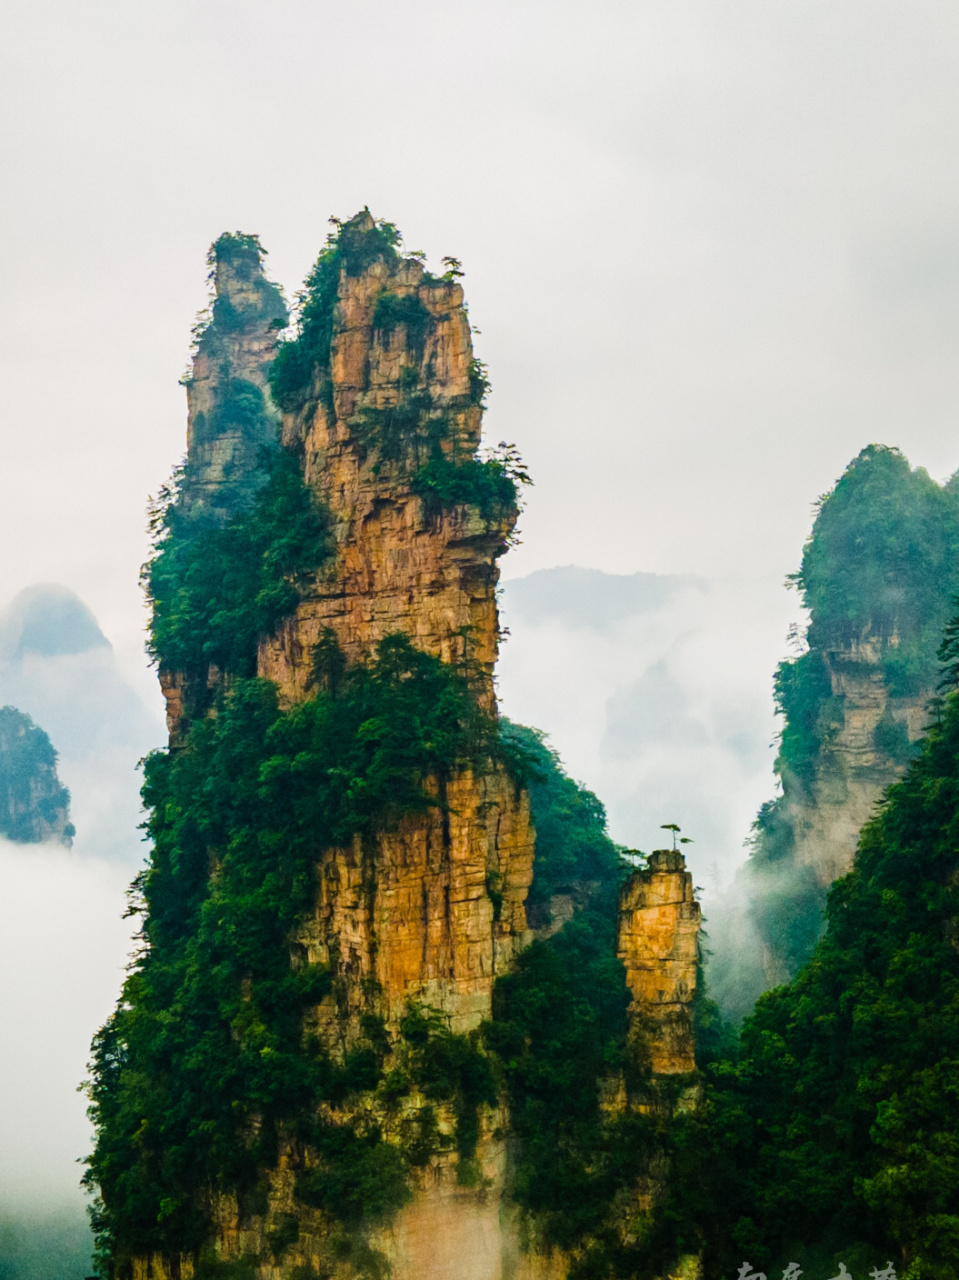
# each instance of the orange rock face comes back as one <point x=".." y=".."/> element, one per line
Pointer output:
<point x="397" y="567"/>
<point x="415" y="913"/>
<point x="659" y="922"/>
<point x="433" y="908"/>
<point x="412" y="916"/>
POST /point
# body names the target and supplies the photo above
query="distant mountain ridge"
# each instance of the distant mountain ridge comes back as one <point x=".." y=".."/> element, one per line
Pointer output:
<point x="49" y="620"/>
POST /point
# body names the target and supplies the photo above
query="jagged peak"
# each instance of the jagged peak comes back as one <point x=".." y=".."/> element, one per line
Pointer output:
<point x="49" y="620"/>
<point x="362" y="221"/>
<point x="242" y="297"/>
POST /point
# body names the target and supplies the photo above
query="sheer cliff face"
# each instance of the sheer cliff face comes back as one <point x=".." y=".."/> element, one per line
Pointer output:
<point x="429" y="929"/>
<point x="877" y="576"/>
<point x="414" y="915"/>
<point x="854" y="765"/>
<point x="231" y="417"/>
<point x="659" y="923"/>
<point x="396" y="391"/>
<point x="431" y="909"/>
<point x="807" y="838"/>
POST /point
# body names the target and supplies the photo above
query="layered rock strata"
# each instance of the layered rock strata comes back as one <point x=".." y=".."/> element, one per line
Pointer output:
<point x="394" y="396"/>
<point x="659" y="923"/>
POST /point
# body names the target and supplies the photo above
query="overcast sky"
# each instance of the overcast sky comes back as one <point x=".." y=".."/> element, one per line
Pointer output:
<point x="711" y="247"/>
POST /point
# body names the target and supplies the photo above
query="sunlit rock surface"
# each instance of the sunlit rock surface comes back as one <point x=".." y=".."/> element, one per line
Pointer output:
<point x="412" y="914"/>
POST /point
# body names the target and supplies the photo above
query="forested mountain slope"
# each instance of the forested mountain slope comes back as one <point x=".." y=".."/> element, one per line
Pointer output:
<point x="878" y="576"/>
<point x="830" y="1132"/>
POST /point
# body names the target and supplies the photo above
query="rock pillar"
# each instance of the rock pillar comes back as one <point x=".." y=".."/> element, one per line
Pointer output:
<point x="659" y="923"/>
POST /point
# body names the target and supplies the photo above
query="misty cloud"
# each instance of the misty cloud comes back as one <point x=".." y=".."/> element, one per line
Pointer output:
<point x="58" y="667"/>
<point x="579" y="597"/>
<point x="665" y="710"/>
<point x="653" y="712"/>
<point x="63" y="947"/>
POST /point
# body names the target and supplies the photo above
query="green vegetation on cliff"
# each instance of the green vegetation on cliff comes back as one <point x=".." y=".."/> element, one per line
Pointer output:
<point x="412" y="433"/>
<point x="491" y="484"/>
<point x="559" y="1034"/>
<point x="832" y="1134"/>
<point x="305" y="357"/>
<point x="216" y="590"/>
<point x="34" y="804"/>
<point x="207" y="1059"/>
<point x="244" y="255"/>
<point x="882" y="546"/>
<point x="882" y="561"/>
<point x="559" y="1031"/>
<point x="574" y="853"/>
<point x="880" y="567"/>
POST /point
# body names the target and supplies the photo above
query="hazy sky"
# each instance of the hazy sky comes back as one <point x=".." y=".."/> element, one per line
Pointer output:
<point x="711" y="247"/>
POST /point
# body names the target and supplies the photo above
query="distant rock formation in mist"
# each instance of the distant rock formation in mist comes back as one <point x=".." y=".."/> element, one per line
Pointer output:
<point x="48" y="620"/>
<point x="647" y="684"/>
<point x="34" y="803"/>
<point x="879" y="576"/>
<point x="58" y="668"/>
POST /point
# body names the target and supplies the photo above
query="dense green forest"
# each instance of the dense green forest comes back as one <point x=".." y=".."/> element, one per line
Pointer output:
<point x="831" y="1132"/>
<point x="174" y="1098"/>
<point x="269" y="791"/>
<point x="881" y="563"/>
<point x="215" y="589"/>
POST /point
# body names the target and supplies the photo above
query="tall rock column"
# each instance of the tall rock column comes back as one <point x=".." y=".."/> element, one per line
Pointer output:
<point x="231" y="418"/>
<point x="388" y="430"/>
<point x="659" y="923"/>
<point x="413" y="915"/>
<point x="230" y="415"/>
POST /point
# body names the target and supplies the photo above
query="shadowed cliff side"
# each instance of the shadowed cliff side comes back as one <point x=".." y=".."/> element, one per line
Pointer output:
<point x="878" y="576"/>
<point x="231" y="417"/>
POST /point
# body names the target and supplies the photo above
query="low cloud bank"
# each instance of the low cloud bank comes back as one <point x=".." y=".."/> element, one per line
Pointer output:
<point x="657" y="692"/>
<point x="57" y="666"/>
<point x="63" y="948"/>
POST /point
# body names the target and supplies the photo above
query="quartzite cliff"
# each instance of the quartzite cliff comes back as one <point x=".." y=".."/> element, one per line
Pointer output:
<point x="431" y="911"/>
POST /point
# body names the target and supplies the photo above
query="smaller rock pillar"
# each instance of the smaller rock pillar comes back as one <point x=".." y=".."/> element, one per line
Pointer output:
<point x="658" y="942"/>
